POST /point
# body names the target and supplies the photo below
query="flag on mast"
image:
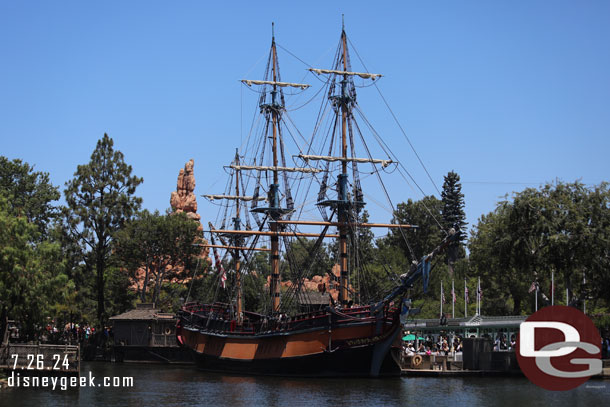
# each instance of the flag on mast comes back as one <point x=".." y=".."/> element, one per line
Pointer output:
<point x="219" y="268"/>
<point x="465" y="299"/>
<point x="532" y="287"/>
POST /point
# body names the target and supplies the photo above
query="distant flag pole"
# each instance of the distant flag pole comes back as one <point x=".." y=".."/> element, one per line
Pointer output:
<point x="584" y="300"/>
<point x="478" y="298"/>
<point x="536" y="296"/>
<point x="465" y="299"/>
<point x="567" y="297"/>
<point x="552" y="288"/>
<point x="452" y="299"/>
<point x="442" y="298"/>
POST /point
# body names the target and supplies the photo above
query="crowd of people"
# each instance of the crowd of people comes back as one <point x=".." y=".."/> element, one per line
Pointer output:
<point x="70" y="333"/>
<point x="443" y="345"/>
<point x="428" y="346"/>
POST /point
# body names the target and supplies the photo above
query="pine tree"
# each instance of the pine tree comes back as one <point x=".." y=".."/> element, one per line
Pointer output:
<point x="100" y="200"/>
<point x="453" y="215"/>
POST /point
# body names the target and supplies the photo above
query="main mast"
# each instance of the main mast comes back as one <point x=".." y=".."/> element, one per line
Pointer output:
<point x="238" y="243"/>
<point x="342" y="195"/>
<point x="343" y="100"/>
<point x="274" y="201"/>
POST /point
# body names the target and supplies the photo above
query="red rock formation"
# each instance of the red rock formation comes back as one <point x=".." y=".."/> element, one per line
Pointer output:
<point x="317" y="283"/>
<point x="183" y="199"/>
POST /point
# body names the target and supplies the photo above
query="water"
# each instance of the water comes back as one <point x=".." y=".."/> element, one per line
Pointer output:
<point x="186" y="386"/>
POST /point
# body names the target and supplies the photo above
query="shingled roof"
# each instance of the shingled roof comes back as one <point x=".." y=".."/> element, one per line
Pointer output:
<point x="142" y="312"/>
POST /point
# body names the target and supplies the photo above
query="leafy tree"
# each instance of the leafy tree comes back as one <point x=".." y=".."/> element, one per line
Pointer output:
<point x="502" y="261"/>
<point x="163" y="244"/>
<point x="301" y="257"/>
<point x="99" y="202"/>
<point x="31" y="282"/>
<point x="598" y="207"/>
<point x="562" y="227"/>
<point x="426" y="215"/>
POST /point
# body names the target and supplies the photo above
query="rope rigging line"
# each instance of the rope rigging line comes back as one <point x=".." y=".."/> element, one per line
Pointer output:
<point x="400" y="165"/>
<point x="384" y="189"/>
<point x="398" y="123"/>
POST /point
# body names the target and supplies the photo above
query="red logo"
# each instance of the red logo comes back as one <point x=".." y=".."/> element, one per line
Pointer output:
<point x="559" y="348"/>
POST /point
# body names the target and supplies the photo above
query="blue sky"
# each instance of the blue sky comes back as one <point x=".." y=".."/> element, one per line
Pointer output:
<point x="509" y="94"/>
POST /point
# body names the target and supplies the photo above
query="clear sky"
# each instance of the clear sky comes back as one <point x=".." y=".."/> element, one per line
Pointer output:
<point x="509" y="94"/>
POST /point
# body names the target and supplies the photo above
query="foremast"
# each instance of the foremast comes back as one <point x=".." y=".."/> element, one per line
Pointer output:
<point x="273" y="110"/>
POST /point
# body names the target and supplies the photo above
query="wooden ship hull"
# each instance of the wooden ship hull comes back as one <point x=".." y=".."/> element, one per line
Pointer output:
<point x="323" y="344"/>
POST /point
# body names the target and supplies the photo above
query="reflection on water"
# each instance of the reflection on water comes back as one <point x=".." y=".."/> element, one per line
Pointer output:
<point x="186" y="386"/>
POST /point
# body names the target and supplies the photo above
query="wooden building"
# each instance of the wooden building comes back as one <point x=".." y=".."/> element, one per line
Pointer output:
<point x="146" y="335"/>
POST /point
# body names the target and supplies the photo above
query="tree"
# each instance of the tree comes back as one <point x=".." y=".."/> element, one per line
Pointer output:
<point x="163" y="244"/>
<point x="453" y="216"/>
<point x="29" y="193"/>
<point x="302" y="260"/>
<point x="31" y="282"/>
<point x="30" y="260"/>
<point x="502" y="261"/>
<point x="426" y="215"/>
<point x="453" y="205"/>
<point x="99" y="202"/>
<point x="562" y="228"/>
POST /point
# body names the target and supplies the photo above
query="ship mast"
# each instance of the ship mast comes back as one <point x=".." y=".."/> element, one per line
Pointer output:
<point x="343" y="280"/>
<point x="237" y="243"/>
<point x="274" y="211"/>
<point x="347" y="207"/>
<point x="274" y="190"/>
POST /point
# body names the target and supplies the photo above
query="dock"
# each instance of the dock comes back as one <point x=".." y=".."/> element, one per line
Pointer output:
<point x="493" y="364"/>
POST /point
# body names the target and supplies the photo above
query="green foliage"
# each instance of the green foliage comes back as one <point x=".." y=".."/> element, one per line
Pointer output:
<point x="426" y="214"/>
<point x="118" y="295"/>
<point x="453" y="217"/>
<point x="99" y="202"/>
<point x="453" y="205"/>
<point x="305" y="261"/>
<point x="255" y="295"/>
<point x="560" y="228"/>
<point x="163" y="244"/>
<point x="31" y="281"/>
<point x="28" y="193"/>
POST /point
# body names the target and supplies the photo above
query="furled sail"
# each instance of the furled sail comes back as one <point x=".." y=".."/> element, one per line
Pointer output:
<point x="251" y="82"/>
<point x="272" y="168"/>
<point x="234" y="197"/>
<point x="363" y="75"/>
<point x="384" y="163"/>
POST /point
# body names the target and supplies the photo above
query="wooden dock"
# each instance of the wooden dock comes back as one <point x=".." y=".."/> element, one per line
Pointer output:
<point x="446" y="366"/>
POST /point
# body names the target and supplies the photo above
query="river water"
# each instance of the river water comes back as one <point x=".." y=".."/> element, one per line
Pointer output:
<point x="185" y="386"/>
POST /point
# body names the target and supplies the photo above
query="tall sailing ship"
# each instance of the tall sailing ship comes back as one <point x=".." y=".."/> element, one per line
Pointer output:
<point x="349" y="336"/>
